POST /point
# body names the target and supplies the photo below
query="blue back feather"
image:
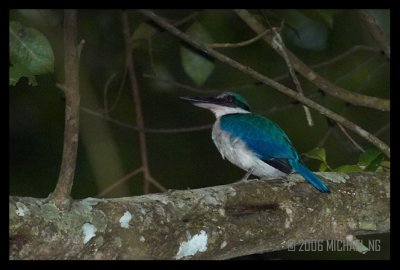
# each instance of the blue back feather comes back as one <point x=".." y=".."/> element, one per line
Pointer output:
<point x="261" y="135"/>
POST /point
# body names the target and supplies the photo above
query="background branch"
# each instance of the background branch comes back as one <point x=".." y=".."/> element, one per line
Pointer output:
<point x="287" y="91"/>
<point x="315" y="78"/>
<point x="227" y="221"/>
<point x="72" y="99"/>
<point x="281" y="46"/>
<point x="146" y="130"/>
<point x="375" y="31"/>
<point x="138" y="106"/>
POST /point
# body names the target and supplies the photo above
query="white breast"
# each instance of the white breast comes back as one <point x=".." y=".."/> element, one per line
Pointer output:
<point x="238" y="153"/>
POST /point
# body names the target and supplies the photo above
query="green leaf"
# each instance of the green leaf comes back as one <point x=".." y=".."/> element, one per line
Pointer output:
<point x="323" y="15"/>
<point x="371" y="159"/>
<point x="317" y="153"/>
<point x="309" y="33"/>
<point x="142" y="32"/>
<point x="322" y="167"/>
<point x="348" y="168"/>
<point x="197" y="66"/>
<point x="30" y="53"/>
<point x="16" y="72"/>
<point x="385" y="164"/>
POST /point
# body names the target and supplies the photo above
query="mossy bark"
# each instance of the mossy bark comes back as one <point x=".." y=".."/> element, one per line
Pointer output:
<point x="218" y="222"/>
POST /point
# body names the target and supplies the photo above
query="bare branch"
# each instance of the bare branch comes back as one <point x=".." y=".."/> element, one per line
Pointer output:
<point x="382" y="129"/>
<point x="308" y="73"/>
<point x="105" y="92"/>
<point x="146" y="130"/>
<point x="280" y="45"/>
<point x="239" y="44"/>
<point x="287" y="91"/>
<point x="119" y="182"/>
<point x="343" y="55"/>
<point x="350" y="138"/>
<point x="138" y="107"/>
<point x="375" y="31"/>
<point x="63" y="188"/>
<point x="177" y="23"/>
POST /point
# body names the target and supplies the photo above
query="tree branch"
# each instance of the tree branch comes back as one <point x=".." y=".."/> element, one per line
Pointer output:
<point x="63" y="188"/>
<point x="138" y="107"/>
<point x="238" y="44"/>
<point x="264" y="79"/>
<point x="375" y="31"/>
<point x="218" y="222"/>
<point x="147" y="130"/>
<point x="280" y="45"/>
<point x="308" y="73"/>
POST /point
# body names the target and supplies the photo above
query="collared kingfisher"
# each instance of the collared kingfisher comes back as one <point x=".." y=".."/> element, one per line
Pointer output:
<point x="253" y="142"/>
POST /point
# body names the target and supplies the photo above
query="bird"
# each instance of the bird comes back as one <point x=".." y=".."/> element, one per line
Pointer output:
<point x="253" y="142"/>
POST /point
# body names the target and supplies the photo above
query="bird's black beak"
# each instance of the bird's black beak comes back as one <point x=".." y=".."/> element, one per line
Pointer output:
<point x="194" y="100"/>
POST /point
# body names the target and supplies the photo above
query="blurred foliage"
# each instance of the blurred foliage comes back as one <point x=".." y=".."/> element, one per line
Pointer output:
<point x="371" y="160"/>
<point x="197" y="66"/>
<point x="30" y="54"/>
<point x="108" y="151"/>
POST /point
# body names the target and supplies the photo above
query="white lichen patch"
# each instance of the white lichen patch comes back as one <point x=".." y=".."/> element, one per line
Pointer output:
<point x="223" y="244"/>
<point x="211" y="200"/>
<point x="142" y="239"/>
<point x="157" y="197"/>
<point x="124" y="220"/>
<point x="335" y="177"/>
<point x="89" y="231"/>
<point x="92" y="201"/>
<point x="289" y="218"/>
<point x="295" y="177"/>
<point x="197" y="243"/>
<point x="21" y="210"/>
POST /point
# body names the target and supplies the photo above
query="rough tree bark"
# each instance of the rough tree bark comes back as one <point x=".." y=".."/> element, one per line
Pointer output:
<point x="218" y="222"/>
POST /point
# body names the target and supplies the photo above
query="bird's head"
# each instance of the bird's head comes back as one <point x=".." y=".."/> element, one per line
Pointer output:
<point x="225" y="103"/>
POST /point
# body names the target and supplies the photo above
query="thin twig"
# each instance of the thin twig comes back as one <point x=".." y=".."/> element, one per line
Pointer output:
<point x="156" y="183"/>
<point x="354" y="69"/>
<point x="350" y="138"/>
<point x="375" y="31"/>
<point x="278" y="41"/>
<point x="63" y="188"/>
<point x="121" y="87"/>
<point x="105" y="91"/>
<point x="343" y="55"/>
<point x="119" y="182"/>
<point x="80" y="48"/>
<point x="137" y="102"/>
<point x="291" y="105"/>
<point x="146" y="130"/>
<point x="180" y="85"/>
<point x="239" y="44"/>
<point x="333" y="60"/>
<point x="287" y="91"/>
<point x="313" y="77"/>
<point x="382" y="129"/>
<point x="177" y="23"/>
<point x="325" y="137"/>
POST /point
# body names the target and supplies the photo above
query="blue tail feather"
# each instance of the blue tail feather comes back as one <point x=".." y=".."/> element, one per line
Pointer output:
<point x="310" y="177"/>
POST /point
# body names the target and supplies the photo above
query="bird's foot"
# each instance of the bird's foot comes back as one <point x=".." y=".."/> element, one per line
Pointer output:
<point x="246" y="176"/>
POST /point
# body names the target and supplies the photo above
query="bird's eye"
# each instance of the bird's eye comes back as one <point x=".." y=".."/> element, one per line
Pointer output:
<point x="229" y="99"/>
